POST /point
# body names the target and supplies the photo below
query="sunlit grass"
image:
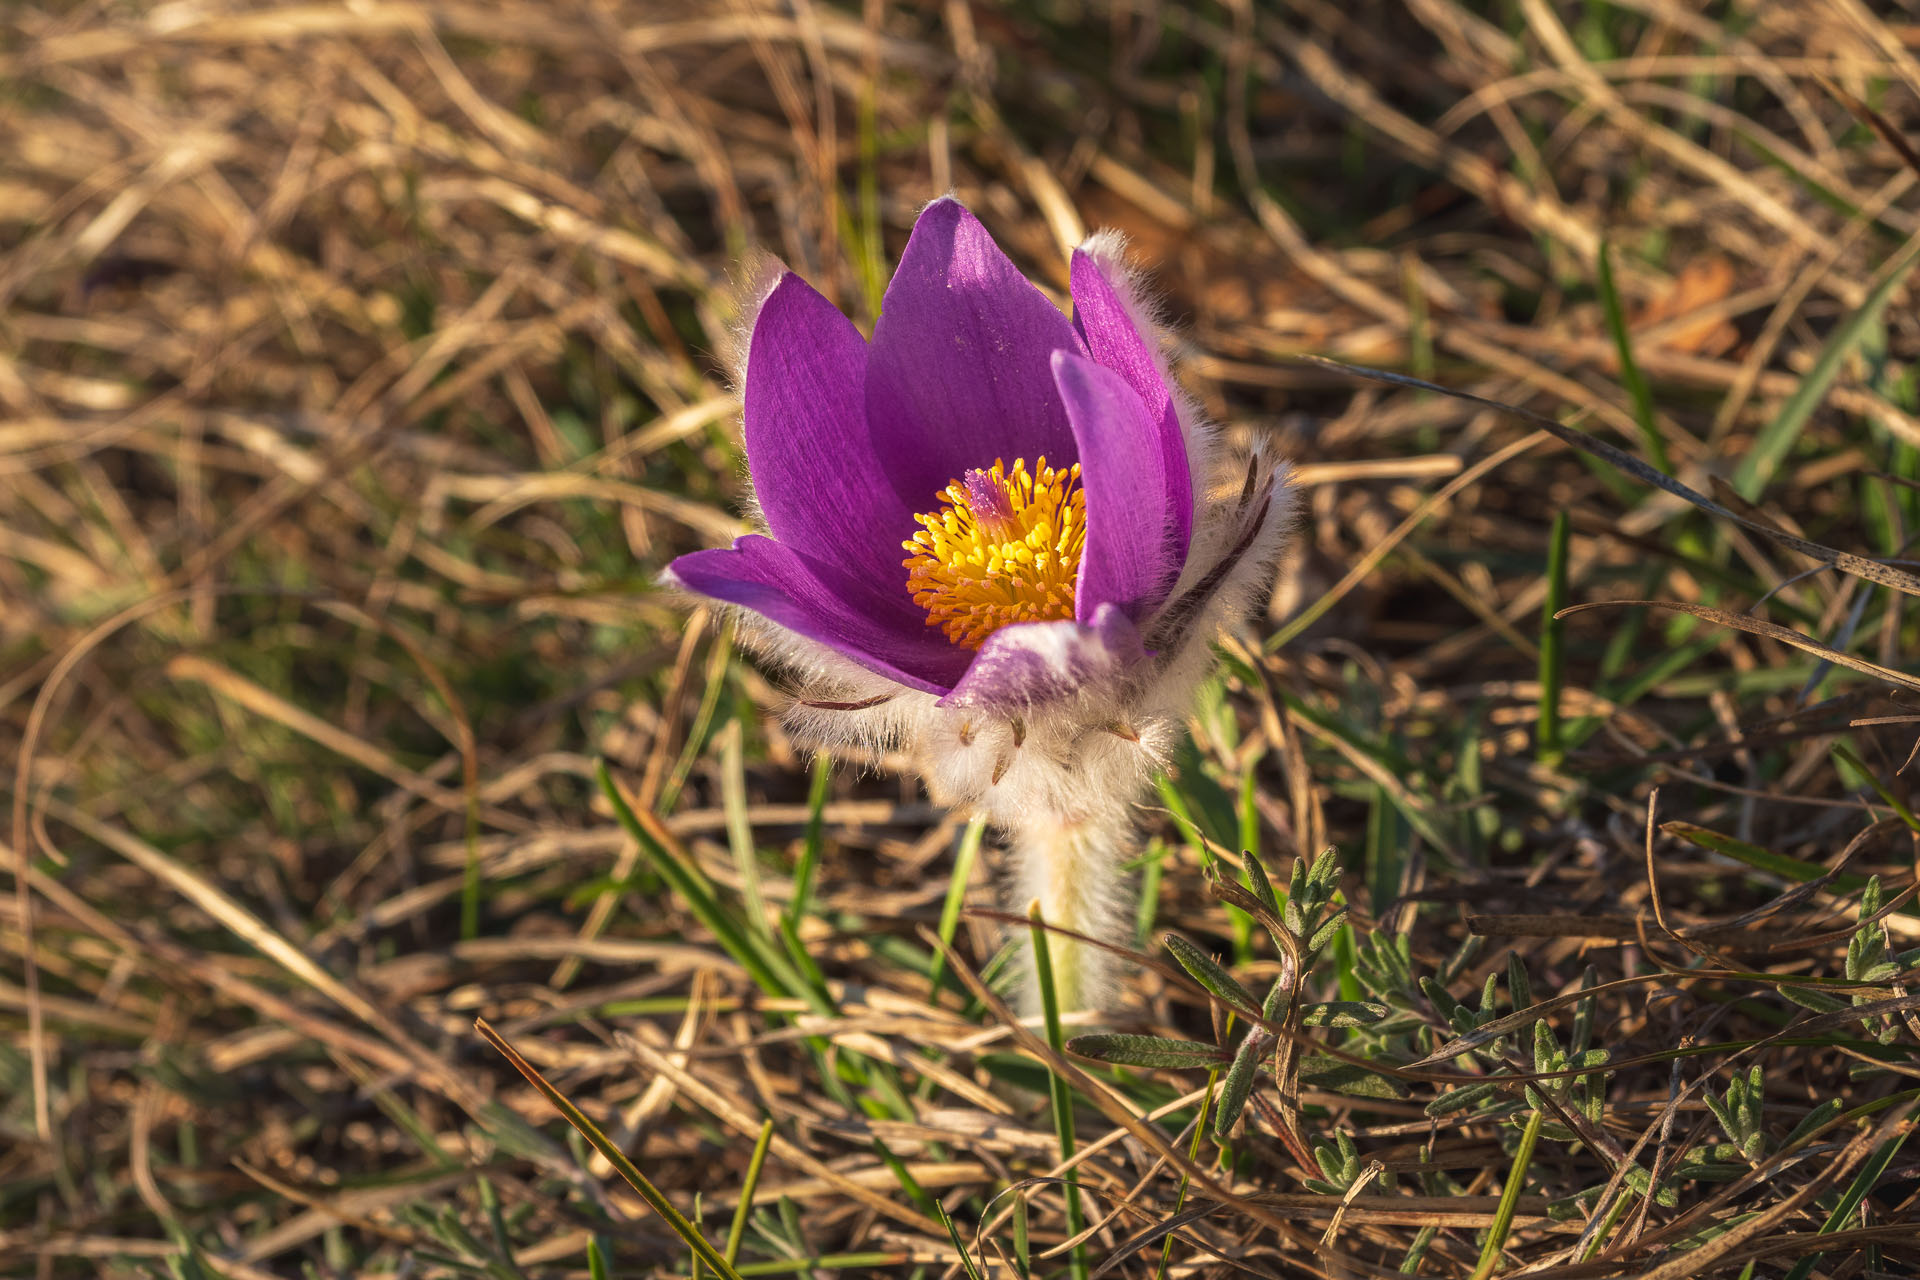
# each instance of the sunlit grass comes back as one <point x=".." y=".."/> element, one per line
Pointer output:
<point x="362" y="368"/>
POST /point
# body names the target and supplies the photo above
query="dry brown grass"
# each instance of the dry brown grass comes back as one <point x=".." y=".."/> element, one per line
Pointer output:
<point x="358" y="365"/>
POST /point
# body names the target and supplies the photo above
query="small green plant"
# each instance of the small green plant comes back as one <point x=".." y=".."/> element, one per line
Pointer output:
<point x="1516" y="1074"/>
<point x="1341" y="1167"/>
<point x="1741" y="1111"/>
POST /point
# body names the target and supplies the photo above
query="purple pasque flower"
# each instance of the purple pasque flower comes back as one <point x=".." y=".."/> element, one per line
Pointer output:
<point x="1038" y="472"/>
<point x="1001" y="540"/>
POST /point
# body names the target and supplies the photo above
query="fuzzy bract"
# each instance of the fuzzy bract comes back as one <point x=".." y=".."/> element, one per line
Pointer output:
<point x="997" y="536"/>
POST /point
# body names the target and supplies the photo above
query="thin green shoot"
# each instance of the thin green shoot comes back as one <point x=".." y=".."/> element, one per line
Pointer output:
<point x="1631" y="378"/>
<point x="1864" y="1180"/>
<point x="1778" y="437"/>
<point x="800" y="905"/>
<point x="1186" y="1179"/>
<point x="1551" y="748"/>
<point x="1509" y="1198"/>
<point x="1062" y="1098"/>
<point x="963" y="860"/>
<point x="744" y="1210"/>
<point x="733" y="800"/>
<point x="655" y="1198"/>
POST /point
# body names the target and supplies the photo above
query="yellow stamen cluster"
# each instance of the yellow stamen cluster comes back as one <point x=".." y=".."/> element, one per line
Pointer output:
<point x="1004" y="548"/>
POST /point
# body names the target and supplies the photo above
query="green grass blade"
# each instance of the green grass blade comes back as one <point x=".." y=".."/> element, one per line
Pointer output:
<point x="1176" y="803"/>
<point x="654" y="1197"/>
<point x="1630" y="376"/>
<point x="497" y="1227"/>
<point x="1147" y="910"/>
<point x="1552" y="645"/>
<point x="1778" y="437"/>
<point x="1186" y="1179"/>
<point x="1419" y="319"/>
<point x="960" y="1250"/>
<point x="744" y="1210"/>
<point x="858" y="1263"/>
<point x="1061" y="1097"/>
<point x="716" y="683"/>
<point x="1247" y="811"/>
<point x="1509" y="1199"/>
<point x="733" y="800"/>
<point x="801" y="904"/>
<point x="771" y="970"/>
<point x="1759" y="859"/>
<point x="1863" y="1181"/>
<point x="872" y="245"/>
<point x="1846" y="757"/>
<point x="963" y="860"/>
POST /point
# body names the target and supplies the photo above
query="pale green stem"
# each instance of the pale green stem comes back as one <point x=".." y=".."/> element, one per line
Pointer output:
<point x="1072" y="869"/>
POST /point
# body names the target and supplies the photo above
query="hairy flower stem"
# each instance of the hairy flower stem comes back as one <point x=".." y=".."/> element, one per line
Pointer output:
<point x="1071" y="867"/>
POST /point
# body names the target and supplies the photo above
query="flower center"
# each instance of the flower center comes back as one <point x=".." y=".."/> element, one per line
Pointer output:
<point x="1004" y="547"/>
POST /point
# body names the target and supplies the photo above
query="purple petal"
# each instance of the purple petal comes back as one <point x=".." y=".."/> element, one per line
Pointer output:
<point x="957" y="374"/>
<point x="881" y="630"/>
<point x="1114" y="340"/>
<point x="808" y="448"/>
<point x="1032" y="663"/>
<point x="1135" y="536"/>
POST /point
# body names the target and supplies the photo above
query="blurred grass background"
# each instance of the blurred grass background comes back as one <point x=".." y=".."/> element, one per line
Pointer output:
<point x="360" y="368"/>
